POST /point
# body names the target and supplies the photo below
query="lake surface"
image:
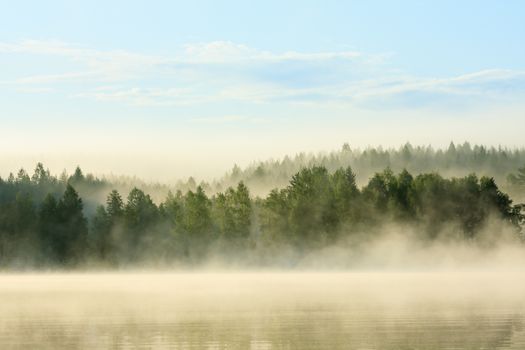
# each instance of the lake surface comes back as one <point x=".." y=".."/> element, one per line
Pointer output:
<point x="264" y="310"/>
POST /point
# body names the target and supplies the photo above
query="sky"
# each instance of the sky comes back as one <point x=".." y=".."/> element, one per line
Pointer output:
<point x="168" y="89"/>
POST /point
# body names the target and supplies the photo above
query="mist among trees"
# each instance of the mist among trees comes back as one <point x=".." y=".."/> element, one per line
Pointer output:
<point x="44" y="221"/>
<point x="454" y="160"/>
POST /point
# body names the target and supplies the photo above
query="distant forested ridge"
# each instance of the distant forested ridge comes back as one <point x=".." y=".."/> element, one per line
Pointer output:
<point x="261" y="177"/>
<point x="455" y="160"/>
<point x="44" y="222"/>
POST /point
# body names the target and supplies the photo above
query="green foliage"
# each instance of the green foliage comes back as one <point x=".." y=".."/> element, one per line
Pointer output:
<point x="310" y="196"/>
<point x="232" y="211"/>
<point x="140" y="212"/>
<point x="49" y="228"/>
<point x="19" y="215"/>
<point x="41" y="176"/>
<point x="115" y="206"/>
<point x="172" y="210"/>
<point x="140" y="217"/>
<point x="197" y="221"/>
<point x="100" y="235"/>
<point x="63" y="227"/>
<point x="275" y="216"/>
<point x="106" y="223"/>
<point x="318" y="207"/>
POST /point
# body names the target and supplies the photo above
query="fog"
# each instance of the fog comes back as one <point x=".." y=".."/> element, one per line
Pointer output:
<point x="263" y="310"/>
<point x="321" y="218"/>
<point x="300" y="252"/>
<point x="164" y="152"/>
<point x="444" y="272"/>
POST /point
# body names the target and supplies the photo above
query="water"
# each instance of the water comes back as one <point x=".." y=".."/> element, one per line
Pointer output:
<point x="266" y="310"/>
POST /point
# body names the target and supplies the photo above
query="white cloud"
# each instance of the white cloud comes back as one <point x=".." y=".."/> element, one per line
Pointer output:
<point x="228" y="52"/>
<point x="490" y="75"/>
<point x="226" y="71"/>
<point x="145" y="96"/>
<point x="370" y="90"/>
<point x="95" y="65"/>
<point x="484" y="84"/>
<point x="122" y="65"/>
<point x="218" y="52"/>
<point x="47" y="47"/>
<point x="229" y="119"/>
<point x="35" y="90"/>
<point x="54" y="78"/>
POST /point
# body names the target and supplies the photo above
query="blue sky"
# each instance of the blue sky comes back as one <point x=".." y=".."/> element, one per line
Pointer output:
<point x="190" y="87"/>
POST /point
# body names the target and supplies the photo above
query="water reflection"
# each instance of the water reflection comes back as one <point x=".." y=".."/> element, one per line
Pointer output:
<point x="262" y="311"/>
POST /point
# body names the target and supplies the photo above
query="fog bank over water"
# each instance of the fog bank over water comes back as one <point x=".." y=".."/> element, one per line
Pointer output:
<point x="394" y="248"/>
<point x="247" y="310"/>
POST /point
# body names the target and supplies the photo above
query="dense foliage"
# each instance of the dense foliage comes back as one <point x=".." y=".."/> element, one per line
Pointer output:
<point x="43" y="220"/>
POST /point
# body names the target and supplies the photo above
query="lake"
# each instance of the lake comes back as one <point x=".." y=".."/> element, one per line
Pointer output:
<point x="263" y="310"/>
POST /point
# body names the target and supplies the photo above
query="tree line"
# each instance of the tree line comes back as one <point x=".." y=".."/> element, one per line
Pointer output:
<point x="455" y="160"/>
<point x="43" y="221"/>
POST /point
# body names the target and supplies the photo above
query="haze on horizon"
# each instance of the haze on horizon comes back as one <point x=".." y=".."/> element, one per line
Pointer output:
<point x="166" y="90"/>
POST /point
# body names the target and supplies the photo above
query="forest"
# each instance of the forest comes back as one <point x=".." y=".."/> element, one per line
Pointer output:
<point x="44" y="222"/>
<point x="454" y="160"/>
<point x="261" y="177"/>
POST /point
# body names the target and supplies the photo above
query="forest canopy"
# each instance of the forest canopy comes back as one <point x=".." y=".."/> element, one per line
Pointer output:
<point x="44" y="221"/>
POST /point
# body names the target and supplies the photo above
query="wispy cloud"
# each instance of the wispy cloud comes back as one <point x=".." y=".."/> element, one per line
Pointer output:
<point x="34" y="90"/>
<point x="228" y="52"/>
<point x="145" y="96"/>
<point x="55" y="78"/>
<point x="498" y="84"/>
<point x="225" y="71"/>
<point x="229" y="119"/>
<point x="94" y="65"/>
